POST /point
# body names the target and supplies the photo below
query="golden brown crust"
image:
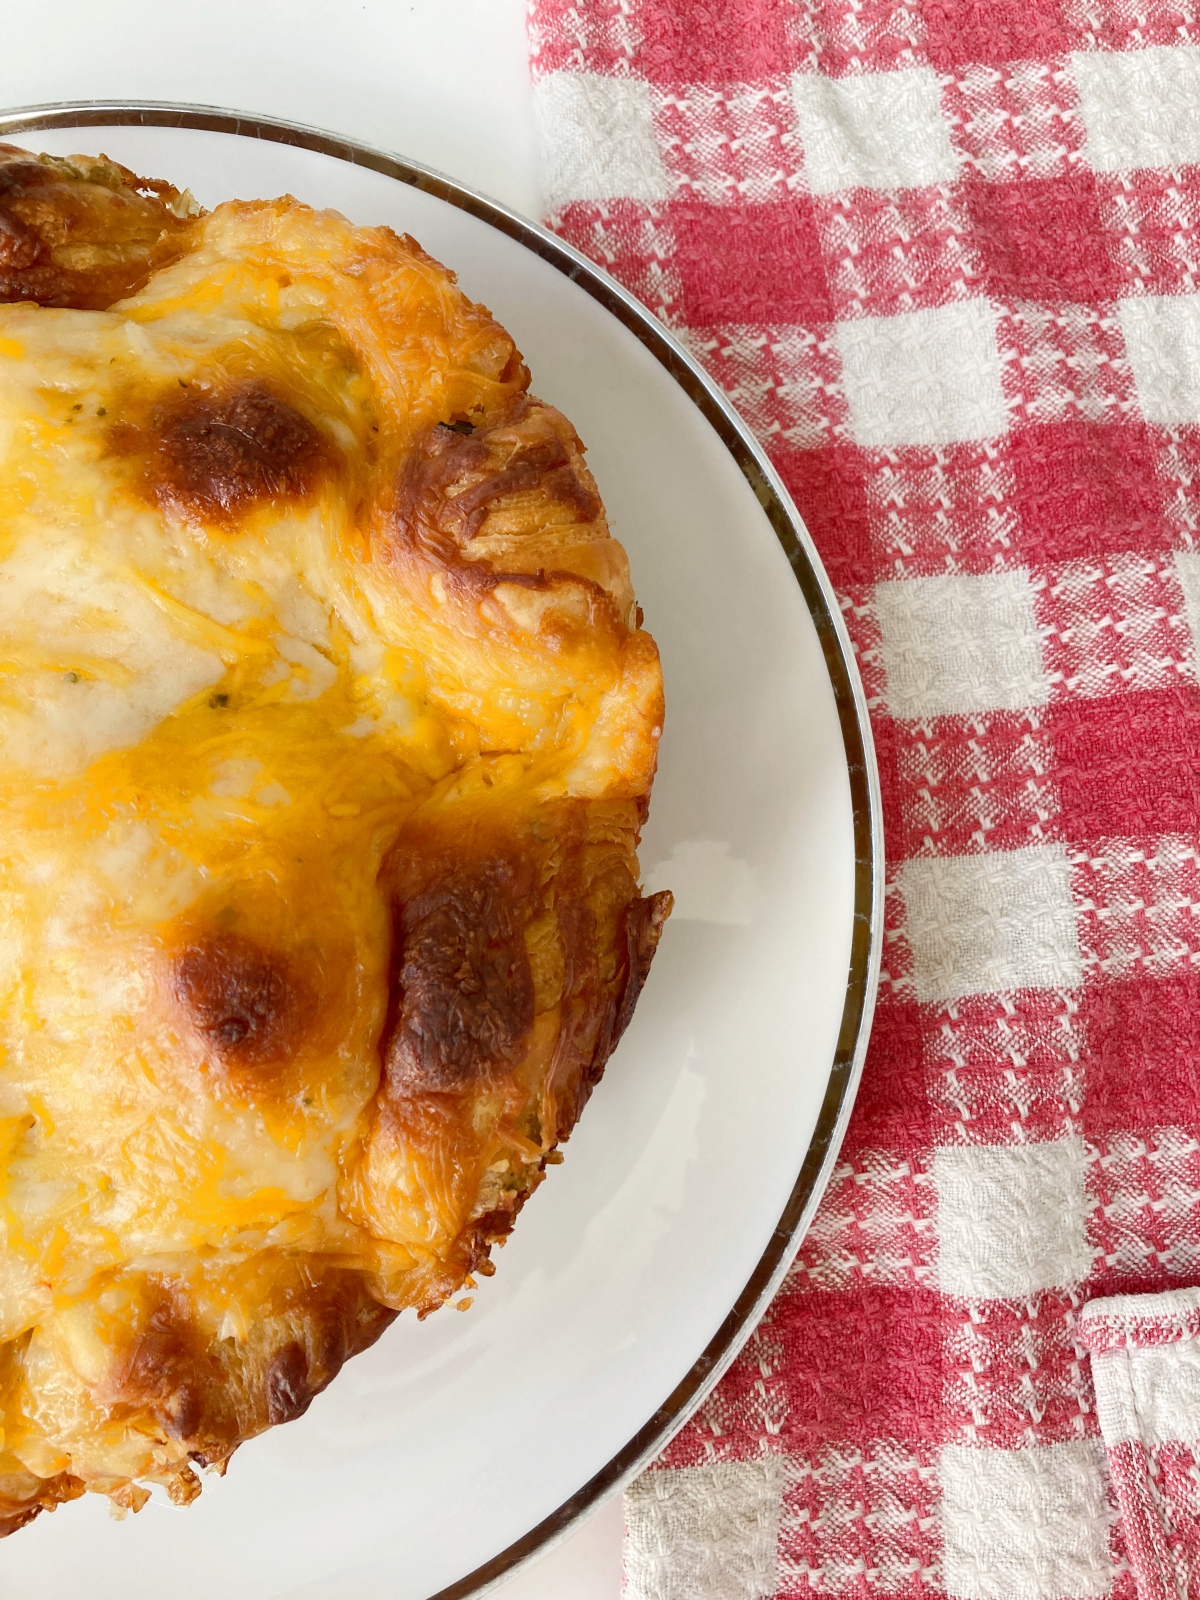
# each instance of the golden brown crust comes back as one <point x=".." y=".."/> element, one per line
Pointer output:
<point x="201" y="1397"/>
<point x="83" y="232"/>
<point x="468" y="1001"/>
<point x="645" y="918"/>
<point x="509" y="500"/>
<point x="463" y="991"/>
<point x="457" y="473"/>
<point x="211" y="1395"/>
<point x="413" y="933"/>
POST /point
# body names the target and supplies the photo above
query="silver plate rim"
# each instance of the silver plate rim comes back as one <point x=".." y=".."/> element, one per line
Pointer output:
<point x="863" y="973"/>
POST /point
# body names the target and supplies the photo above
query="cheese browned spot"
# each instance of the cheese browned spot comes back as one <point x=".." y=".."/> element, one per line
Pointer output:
<point x="250" y="1008"/>
<point x="83" y="231"/>
<point x="220" y="453"/>
<point x="454" y="479"/>
<point x="463" y="994"/>
<point x="311" y="1318"/>
<point x="167" y="1371"/>
<point x="289" y="1393"/>
<point x="327" y="730"/>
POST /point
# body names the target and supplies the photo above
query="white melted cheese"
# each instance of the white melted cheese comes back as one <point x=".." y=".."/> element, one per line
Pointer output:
<point x="89" y="662"/>
<point x="118" y="623"/>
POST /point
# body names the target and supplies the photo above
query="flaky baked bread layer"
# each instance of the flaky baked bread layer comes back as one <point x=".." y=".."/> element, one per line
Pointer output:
<point x="327" y="728"/>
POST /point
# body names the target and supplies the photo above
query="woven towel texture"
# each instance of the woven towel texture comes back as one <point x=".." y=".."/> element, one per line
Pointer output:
<point x="945" y="257"/>
<point x="1146" y="1367"/>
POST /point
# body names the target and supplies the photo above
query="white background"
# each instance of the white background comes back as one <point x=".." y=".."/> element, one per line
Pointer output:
<point x="442" y="81"/>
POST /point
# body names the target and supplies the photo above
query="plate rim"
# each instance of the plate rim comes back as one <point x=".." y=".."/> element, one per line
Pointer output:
<point x="862" y="980"/>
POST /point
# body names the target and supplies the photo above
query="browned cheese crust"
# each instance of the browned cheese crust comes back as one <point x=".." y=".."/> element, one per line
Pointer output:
<point x="83" y="232"/>
<point x="419" y="988"/>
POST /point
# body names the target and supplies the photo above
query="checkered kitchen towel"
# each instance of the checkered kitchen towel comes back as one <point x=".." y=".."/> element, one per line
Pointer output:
<point x="945" y="256"/>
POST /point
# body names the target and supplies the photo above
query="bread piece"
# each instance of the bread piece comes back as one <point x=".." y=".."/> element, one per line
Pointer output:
<point x="327" y="728"/>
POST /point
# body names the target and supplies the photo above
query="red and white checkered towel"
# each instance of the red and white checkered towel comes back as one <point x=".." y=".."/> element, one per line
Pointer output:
<point x="945" y="256"/>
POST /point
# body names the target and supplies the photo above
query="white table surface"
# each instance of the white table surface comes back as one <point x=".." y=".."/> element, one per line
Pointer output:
<point x="442" y="81"/>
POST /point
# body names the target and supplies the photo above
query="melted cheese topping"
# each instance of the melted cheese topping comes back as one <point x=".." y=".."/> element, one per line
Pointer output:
<point x="227" y="687"/>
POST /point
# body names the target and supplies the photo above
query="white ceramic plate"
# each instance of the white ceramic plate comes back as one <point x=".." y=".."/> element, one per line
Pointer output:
<point x="457" y="1447"/>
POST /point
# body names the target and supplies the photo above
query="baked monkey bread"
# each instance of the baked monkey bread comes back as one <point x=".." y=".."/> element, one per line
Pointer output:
<point x="327" y="727"/>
